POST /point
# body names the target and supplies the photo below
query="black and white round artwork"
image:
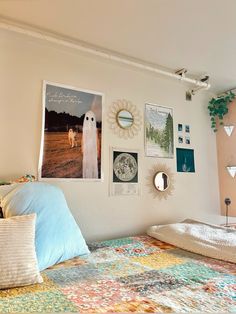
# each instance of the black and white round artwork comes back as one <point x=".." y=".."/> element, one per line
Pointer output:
<point x="125" y="167"/>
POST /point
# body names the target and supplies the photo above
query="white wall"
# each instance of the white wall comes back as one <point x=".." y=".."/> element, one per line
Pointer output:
<point x="26" y="62"/>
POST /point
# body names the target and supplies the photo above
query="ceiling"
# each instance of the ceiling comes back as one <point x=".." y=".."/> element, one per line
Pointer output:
<point x="198" y="35"/>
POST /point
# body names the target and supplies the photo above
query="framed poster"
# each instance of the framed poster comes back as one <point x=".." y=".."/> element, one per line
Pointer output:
<point x="159" y="137"/>
<point x="124" y="172"/>
<point x="71" y="133"/>
<point x="185" y="160"/>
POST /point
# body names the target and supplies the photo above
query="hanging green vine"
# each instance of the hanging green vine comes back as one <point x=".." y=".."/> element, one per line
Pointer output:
<point x="218" y="107"/>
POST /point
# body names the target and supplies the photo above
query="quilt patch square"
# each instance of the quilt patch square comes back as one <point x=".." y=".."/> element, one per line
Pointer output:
<point x="220" y="266"/>
<point x="136" y="249"/>
<point x="103" y="254"/>
<point x="119" y="268"/>
<point x="46" y="286"/>
<point x="72" y="275"/>
<point x="89" y="297"/>
<point x="215" y="264"/>
<point x="223" y="287"/>
<point x="158" y="261"/>
<point x="150" y="281"/>
<point x="192" y="273"/>
<point x="193" y="300"/>
<point x="186" y="254"/>
<point x="154" y="242"/>
<point x="45" y="302"/>
<point x="138" y="305"/>
<point x="77" y="261"/>
<point x="118" y="242"/>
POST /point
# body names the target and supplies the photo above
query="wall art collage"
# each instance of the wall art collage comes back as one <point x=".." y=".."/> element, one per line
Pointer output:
<point x="71" y="143"/>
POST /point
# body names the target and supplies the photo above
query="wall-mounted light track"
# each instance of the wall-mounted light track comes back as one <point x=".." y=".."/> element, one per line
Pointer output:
<point x="84" y="47"/>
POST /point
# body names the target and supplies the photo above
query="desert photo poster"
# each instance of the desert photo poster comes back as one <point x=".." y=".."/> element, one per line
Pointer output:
<point x="159" y="137"/>
<point x="72" y="133"/>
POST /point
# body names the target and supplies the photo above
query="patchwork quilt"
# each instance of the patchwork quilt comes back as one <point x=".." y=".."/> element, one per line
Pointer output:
<point x="136" y="274"/>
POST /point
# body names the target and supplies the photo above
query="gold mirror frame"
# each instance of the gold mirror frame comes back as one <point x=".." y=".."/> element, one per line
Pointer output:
<point x="115" y="108"/>
<point x="118" y="119"/>
<point x="151" y="177"/>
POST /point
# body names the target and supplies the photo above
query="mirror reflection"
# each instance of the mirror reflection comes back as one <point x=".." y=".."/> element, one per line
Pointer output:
<point x="125" y="119"/>
<point x="161" y="181"/>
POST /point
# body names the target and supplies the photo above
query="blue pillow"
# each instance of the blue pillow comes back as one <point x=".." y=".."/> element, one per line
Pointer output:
<point x="57" y="237"/>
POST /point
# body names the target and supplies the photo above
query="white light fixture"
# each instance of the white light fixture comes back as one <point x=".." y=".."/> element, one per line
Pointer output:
<point x="231" y="170"/>
<point x="229" y="129"/>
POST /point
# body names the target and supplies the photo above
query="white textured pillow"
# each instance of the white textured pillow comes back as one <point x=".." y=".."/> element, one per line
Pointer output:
<point x="18" y="262"/>
<point x="5" y="189"/>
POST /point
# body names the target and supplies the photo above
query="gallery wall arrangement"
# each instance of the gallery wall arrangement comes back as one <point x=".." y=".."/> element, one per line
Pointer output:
<point x="91" y="197"/>
<point x="71" y="145"/>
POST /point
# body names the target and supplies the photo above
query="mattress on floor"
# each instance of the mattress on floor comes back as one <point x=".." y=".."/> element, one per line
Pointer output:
<point x="136" y="274"/>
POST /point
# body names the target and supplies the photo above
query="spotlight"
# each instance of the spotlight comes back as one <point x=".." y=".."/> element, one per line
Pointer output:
<point x="205" y="79"/>
<point x="181" y="72"/>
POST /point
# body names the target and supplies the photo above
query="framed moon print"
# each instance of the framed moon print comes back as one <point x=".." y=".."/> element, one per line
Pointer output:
<point x="124" y="172"/>
<point x="71" y="143"/>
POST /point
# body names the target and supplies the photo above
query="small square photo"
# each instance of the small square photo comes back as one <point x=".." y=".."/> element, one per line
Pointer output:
<point x="187" y="128"/>
<point x="180" y="139"/>
<point x="180" y="127"/>
<point x="187" y="140"/>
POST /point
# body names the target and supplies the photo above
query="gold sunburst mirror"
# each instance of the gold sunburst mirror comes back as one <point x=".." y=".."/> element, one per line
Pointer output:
<point x="160" y="181"/>
<point x="124" y="118"/>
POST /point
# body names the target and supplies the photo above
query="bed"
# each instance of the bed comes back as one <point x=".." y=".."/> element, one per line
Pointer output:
<point x="135" y="274"/>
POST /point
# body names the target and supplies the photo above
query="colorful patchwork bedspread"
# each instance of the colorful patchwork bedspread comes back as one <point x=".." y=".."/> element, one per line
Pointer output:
<point x="136" y="274"/>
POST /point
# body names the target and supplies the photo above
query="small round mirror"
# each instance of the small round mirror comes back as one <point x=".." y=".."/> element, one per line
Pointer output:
<point x="161" y="181"/>
<point x="125" y="119"/>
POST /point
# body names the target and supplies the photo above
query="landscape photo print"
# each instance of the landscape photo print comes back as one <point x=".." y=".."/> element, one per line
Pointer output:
<point x="159" y="137"/>
<point x="72" y="133"/>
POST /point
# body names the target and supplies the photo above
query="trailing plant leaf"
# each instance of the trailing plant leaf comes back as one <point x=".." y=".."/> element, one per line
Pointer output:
<point x="218" y="108"/>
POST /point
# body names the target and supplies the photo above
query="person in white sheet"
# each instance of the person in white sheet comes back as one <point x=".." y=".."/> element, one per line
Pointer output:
<point x="90" y="146"/>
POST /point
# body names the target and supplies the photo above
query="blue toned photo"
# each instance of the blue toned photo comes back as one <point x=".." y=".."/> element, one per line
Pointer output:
<point x="185" y="160"/>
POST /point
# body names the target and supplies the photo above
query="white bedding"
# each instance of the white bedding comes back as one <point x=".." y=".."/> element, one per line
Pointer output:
<point x="194" y="236"/>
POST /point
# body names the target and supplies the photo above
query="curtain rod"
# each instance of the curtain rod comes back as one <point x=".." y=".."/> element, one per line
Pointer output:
<point x="84" y="47"/>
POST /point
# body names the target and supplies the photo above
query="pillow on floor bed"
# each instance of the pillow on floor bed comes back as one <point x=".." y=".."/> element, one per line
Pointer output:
<point x="58" y="237"/>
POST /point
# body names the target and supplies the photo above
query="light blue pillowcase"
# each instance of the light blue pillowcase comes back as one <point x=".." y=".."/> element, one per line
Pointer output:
<point x="58" y="237"/>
